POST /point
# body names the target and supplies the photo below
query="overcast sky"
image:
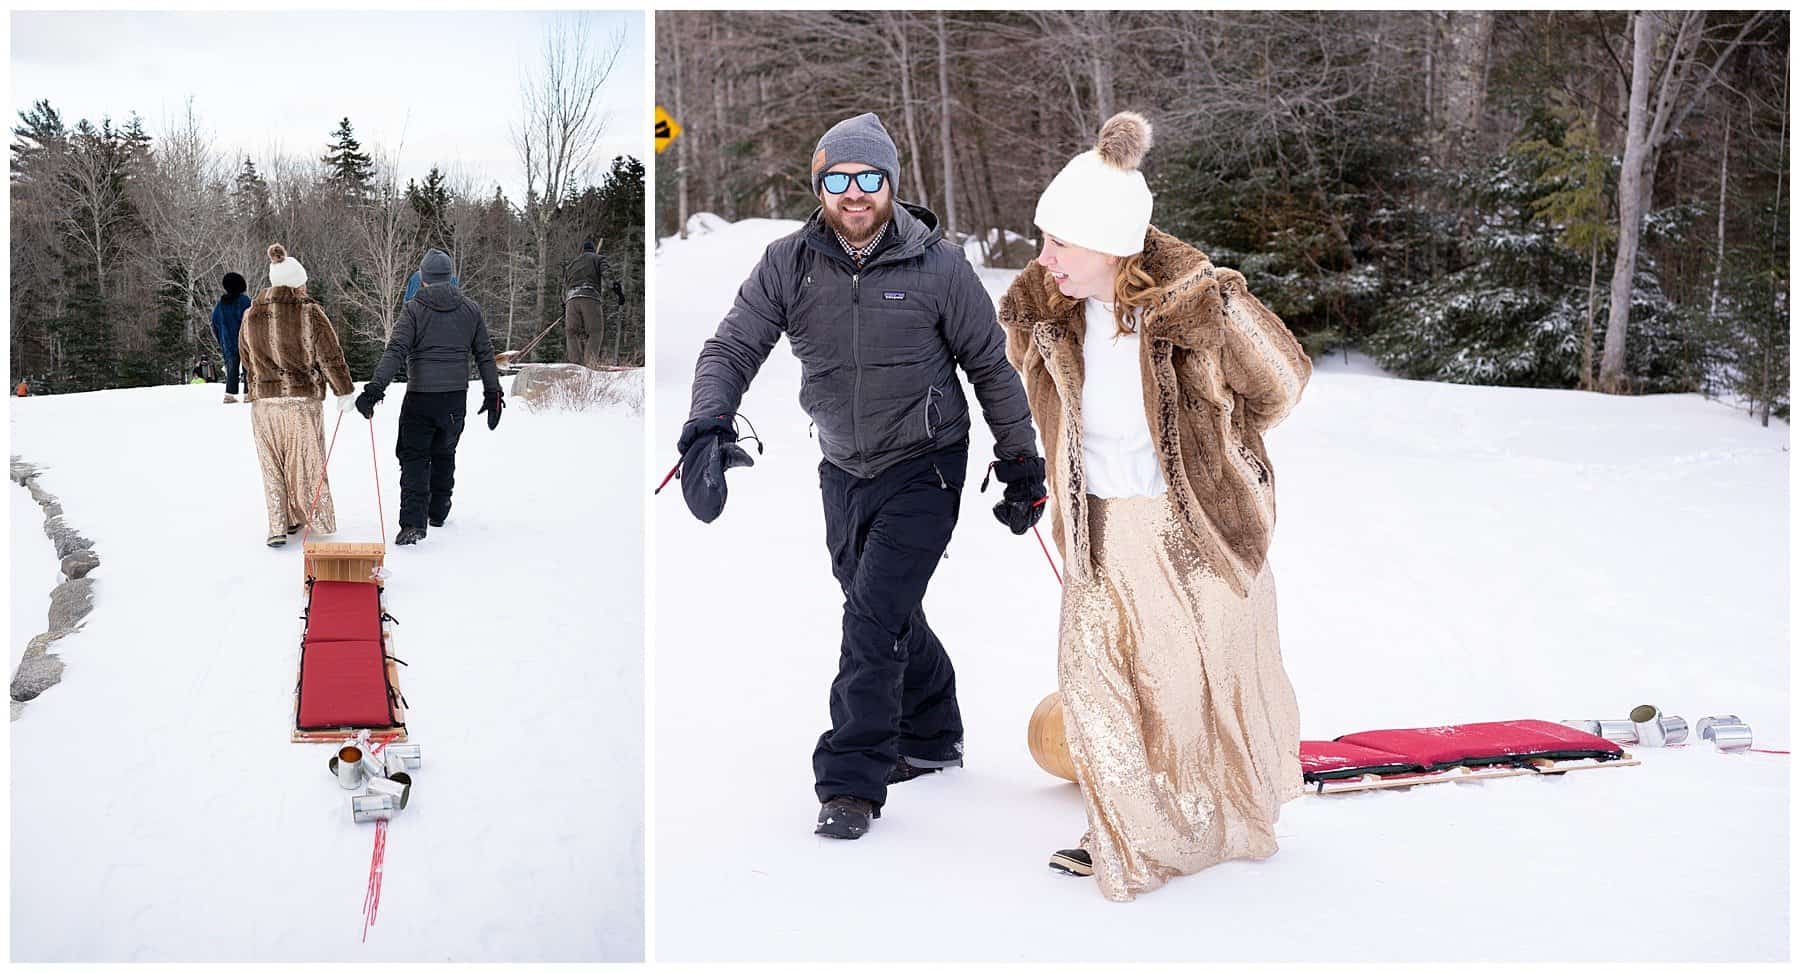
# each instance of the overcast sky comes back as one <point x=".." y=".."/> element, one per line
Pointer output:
<point x="440" y="87"/>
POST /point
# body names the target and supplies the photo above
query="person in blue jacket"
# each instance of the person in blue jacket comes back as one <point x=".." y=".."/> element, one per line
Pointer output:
<point x="227" y="316"/>
<point x="413" y="283"/>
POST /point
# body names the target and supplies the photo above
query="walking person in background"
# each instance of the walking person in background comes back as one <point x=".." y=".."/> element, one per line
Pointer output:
<point x="584" y="318"/>
<point x="1153" y="375"/>
<point x="881" y="310"/>
<point x="438" y="332"/>
<point x="290" y="354"/>
<point x="227" y="318"/>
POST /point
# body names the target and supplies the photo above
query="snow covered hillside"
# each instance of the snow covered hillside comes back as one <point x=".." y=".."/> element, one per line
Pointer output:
<point x="159" y="811"/>
<point x="1446" y="554"/>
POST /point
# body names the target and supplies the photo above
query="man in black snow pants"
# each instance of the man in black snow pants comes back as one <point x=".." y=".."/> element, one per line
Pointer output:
<point x="880" y="310"/>
<point x="437" y="332"/>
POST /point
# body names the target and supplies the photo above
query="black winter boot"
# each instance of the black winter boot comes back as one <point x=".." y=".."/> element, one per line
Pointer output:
<point x="410" y="535"/>
<point x="846" y="817"/>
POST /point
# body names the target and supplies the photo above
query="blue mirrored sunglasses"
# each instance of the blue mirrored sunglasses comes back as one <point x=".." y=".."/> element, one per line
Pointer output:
<point x="869" y="181"/>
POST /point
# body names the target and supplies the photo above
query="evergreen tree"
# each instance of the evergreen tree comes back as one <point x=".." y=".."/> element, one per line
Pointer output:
<point x="431" y="201"/>
<point x="352" y="171"/>
<point x="250" y="199"/>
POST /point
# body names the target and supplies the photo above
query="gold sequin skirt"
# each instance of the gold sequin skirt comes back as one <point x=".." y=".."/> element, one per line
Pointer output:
<point x="290" y="447"/>
<point x="1182" y="723"/>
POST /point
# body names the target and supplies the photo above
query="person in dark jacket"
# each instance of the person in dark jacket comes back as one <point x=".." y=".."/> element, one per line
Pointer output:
<point x="881" y="311"/>
<point x="584" y="318"/>
<point x="227" y="318"/>
<point x="438" y="331"/>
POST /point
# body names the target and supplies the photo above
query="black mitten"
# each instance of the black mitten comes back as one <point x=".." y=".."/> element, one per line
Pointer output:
<point x="707" y="453"/>
<point x="492" y="404"/>
<point x="1025" y="493"/>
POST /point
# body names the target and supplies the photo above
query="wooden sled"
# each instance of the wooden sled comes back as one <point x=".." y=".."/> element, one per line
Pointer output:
<point x="330" y="561"/>
<point x="1539" y="766"/>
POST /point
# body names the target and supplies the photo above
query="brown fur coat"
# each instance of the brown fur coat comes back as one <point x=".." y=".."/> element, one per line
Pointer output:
<point x="1219" y="370"/>
<point x="289" y="348"/>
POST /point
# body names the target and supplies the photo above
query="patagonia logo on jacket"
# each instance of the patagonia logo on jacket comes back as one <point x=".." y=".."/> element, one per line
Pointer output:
<point x="893" y="295"/>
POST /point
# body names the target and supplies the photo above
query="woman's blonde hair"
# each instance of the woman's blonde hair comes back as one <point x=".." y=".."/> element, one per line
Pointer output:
<point x="1134" y="290"/>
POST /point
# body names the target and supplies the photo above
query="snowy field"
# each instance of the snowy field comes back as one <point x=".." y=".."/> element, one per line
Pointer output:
<point x="1446" y="554"/>
<point x="202" y="833"/>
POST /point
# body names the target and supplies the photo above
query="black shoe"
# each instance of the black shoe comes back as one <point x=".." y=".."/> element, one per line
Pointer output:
<point x="846" y="817"/>
<point x="1072" y="861"/>
<point x="410" y="535"/>
<point x="294" y="528"/>
<point x="905" y="770"/>
<point x="278" y="540"/>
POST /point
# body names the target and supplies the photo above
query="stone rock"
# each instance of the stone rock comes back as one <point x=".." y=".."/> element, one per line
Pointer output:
<point x="67" y="539"/>
<point x="35" y="676"/>
<point x="40" y="644"/>
<point x="70" y="602"/>
<point x="79" y="564"/>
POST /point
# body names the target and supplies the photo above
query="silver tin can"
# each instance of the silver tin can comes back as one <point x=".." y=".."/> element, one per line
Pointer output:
<point x="1731" y="737"/>
<point x="1585" y="726"/>
<point x="347" y="766"/>
<point x="373" y="807"/>
<point x="402" y="756"/>
<point x="1618" y="731"/>
<point x="1704" y="727"/>
<point x="1674" y="730"/>
<point x="1647" y="721"/>
<point x="397" y="788"/>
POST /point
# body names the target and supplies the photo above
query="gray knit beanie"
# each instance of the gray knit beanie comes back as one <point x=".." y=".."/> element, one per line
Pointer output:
<point x="860" y="139"/>
<point x="436" y="267"/>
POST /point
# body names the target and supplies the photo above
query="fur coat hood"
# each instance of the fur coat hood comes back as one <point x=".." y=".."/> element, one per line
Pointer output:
<point x="289" y="348"/>
<point x="1219" y="370"/>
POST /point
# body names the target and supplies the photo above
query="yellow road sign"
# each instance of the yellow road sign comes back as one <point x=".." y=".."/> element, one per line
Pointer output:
<point x="666" y="129"/>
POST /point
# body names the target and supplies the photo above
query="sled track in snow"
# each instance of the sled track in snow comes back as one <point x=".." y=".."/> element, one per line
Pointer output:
<point x="70" y="601"/>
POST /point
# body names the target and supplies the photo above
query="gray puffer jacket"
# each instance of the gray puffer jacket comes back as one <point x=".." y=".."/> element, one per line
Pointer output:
<point x="439" y="329"/>
<point x="878" y="347"/>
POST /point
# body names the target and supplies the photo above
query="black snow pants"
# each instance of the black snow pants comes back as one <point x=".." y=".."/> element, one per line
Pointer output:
<point x="430" y="425"/>
<point x="895" y="691"/>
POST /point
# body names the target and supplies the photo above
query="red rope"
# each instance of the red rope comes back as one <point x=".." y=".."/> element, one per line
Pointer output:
<point x="665" y="481"/>
<point x="1040" y="536"/>
<point x="1047" y="557"/>
<point x="319" y="489"/>
<point x="375" y="463"/>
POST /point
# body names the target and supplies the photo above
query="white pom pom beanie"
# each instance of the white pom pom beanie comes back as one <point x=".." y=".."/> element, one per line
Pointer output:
<point x="284" y="271"/>
<point x="1100" y="200"/>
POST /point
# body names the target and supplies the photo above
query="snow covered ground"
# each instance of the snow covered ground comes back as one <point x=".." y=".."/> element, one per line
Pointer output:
<point x="159" y="811"/>
<point x="1446" y="554"/>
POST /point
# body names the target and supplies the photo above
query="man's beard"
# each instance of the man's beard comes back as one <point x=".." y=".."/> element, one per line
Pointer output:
<point x="877" y="216"/>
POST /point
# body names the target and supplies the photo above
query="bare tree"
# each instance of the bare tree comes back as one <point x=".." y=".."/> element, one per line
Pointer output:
<point x="1671" y="71"/>
<point x="189" y="234"/>
<point x="562" y="124"/>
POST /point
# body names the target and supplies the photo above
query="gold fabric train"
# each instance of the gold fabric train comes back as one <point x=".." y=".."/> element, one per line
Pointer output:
<point x="1183" y="726"/>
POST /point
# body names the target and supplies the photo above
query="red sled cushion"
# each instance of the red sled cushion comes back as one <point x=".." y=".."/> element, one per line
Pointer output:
<point x="1331" y="759"/>
<point x="344" y="611"/>
<point x="343" y="684"/>
<point x="1435" y="747"/>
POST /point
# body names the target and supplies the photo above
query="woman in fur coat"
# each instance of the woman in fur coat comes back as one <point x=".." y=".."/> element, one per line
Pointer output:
<point x="290" y="354"/>
<point x="1152" y="376"/>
